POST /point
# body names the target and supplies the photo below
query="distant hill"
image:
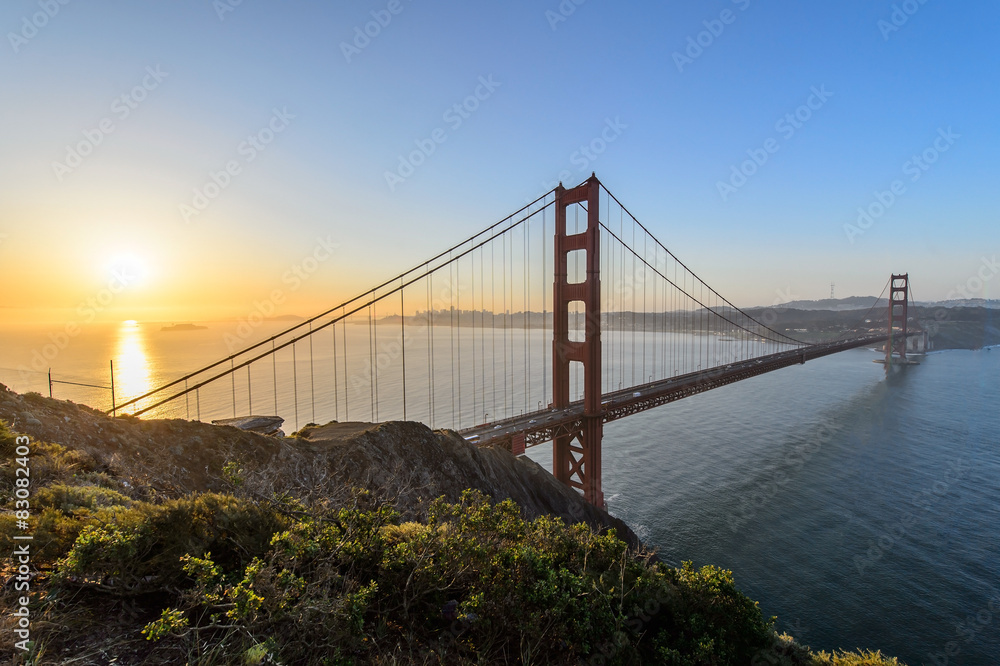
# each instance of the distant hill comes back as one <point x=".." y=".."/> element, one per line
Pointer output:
<point x="865" y="302"/>
<point x="834" y="304"/>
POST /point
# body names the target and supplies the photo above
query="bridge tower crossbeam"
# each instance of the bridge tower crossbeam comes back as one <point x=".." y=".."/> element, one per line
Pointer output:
<point x="576" y="457"/>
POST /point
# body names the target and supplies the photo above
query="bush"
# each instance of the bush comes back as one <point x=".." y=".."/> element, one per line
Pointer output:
<point x="475" y="582"/>
<point x="49" y="462"/>
<point x="139" y="548"/>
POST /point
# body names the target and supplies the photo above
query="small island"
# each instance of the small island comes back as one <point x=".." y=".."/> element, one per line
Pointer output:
<point x="183" y="327"/>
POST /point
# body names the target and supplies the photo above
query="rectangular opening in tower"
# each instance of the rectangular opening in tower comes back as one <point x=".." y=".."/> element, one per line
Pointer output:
<point x="576" y="266"/>
<point x="577" y="321"/>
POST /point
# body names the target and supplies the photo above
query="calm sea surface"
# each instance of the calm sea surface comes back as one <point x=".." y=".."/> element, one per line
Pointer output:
<point x="862" y="511"/>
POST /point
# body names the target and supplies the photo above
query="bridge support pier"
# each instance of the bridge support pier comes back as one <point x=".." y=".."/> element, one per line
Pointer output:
<point x="576" y="457"/>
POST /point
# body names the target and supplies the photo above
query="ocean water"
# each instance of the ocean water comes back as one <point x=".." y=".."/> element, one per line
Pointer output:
<point x="862" y="511"/>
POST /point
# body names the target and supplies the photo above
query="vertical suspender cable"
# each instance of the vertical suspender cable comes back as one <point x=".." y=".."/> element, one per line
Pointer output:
<point x="295" y="385"/>
<point x="402" y="342"/>
<point x="312" y="376"/>
<point x="430" y="342"/>
<point x="274" y="376"/>
<point x="458" y="353"/>
<point x="430" y="358"/>
<point x="347" y="393"/>
<point x="621" y="301"/>
<point x="232" y="375"/>
<point x="336" y="391"/>
<point x="493" y="319"/>
<point x="527" y="306"/>
<point x="482" y="327"/>
<point x="545" y="314"/>
<point x="371" y="365"/>
<point x="472" y="289"/>
<point x="645" y="250"/>
<point x="503" y="286"/>
<point x="451" y="321"/>
<point x="632" y="305"/>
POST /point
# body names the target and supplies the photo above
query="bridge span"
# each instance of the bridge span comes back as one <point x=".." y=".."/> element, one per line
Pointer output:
<point x="454" y="339"/>
<point x="526" y="430"/>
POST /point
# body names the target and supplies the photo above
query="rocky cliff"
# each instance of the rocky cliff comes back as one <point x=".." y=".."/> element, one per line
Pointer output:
<point x="405" y="462"/>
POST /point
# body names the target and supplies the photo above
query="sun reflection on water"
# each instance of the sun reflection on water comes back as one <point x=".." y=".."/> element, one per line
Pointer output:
<point x="132" y="370"/>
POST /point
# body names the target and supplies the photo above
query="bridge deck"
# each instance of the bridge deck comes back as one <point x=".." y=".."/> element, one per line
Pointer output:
<point x="544" y="425"/>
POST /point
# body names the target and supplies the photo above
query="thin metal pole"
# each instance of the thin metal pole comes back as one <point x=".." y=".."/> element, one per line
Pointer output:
<point x="50" y="382"/>
<point x="249" y="392"/>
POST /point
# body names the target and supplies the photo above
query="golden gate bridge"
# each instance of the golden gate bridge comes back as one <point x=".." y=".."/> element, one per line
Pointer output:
<point x="544" y="326"/>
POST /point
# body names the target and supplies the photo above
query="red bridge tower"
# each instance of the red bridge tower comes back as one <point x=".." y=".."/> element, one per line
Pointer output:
<point x="576" y="457"/>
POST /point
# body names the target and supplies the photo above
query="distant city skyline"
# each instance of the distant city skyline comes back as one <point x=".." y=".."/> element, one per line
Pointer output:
<point x="182" y="161"/>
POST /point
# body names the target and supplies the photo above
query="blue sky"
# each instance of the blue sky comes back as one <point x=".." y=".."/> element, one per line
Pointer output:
<point x="559" y="75"/>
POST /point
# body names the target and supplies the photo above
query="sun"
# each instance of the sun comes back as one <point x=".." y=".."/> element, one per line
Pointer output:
<point x="127" y="267"/>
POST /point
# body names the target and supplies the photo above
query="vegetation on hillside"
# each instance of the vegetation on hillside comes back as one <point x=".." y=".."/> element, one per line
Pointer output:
<point x="125" y="573"/>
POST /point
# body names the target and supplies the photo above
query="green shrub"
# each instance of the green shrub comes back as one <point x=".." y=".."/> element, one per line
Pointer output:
<point x="69" y="499"/>
<point x="48" y="462"/>
<point x="140" y="547"/>
<point x="475" y="581"/>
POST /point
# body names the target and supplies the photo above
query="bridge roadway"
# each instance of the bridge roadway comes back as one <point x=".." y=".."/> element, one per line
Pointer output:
<point x="544" y="425"/>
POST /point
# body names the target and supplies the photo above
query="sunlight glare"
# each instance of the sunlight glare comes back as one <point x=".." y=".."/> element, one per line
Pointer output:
<point x="132" y="370"/>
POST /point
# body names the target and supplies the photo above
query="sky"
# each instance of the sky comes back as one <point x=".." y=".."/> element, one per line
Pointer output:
<point x="181" y="160"/>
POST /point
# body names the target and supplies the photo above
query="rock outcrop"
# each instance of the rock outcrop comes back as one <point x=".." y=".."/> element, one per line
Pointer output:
<point x="406" y="462"/>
